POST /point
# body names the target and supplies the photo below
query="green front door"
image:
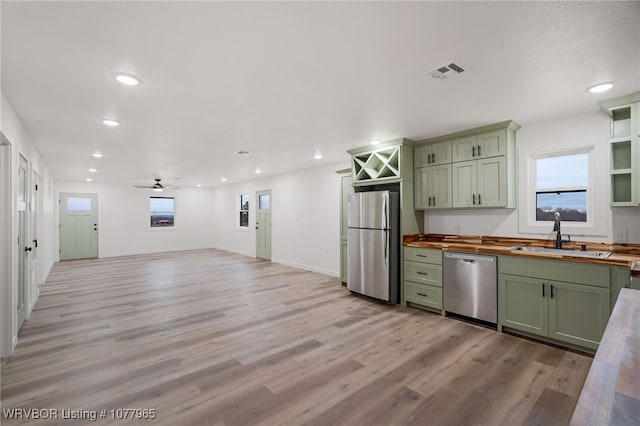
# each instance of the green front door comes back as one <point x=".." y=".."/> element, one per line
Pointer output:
<point x="263" y="225"/>
<point x="78" y="226"/>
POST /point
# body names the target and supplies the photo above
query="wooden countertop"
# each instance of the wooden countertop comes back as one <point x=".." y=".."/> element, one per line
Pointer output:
<point x="622" y="255"/>
<point x="611" y="393"/>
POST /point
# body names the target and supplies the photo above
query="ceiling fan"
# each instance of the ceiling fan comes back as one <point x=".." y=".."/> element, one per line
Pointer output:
<point x="158" y="187"/>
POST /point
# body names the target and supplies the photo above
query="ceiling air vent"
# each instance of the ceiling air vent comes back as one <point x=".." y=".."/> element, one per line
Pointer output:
<point x="446" y="70"/>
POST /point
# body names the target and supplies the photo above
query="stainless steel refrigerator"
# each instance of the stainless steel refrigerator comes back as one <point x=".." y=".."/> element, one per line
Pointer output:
<point x="373" y="244"/>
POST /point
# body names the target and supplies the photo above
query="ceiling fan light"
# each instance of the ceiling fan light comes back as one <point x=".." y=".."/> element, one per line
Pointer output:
<point x="157" y="189"/>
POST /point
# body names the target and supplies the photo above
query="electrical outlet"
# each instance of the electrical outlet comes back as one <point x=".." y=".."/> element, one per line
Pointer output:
<point x="621" y="235"/>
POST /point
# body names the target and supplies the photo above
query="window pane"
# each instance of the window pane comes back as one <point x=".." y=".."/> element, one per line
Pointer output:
<point x="161" y="211"/>
<point x="244" y="202"/>
<point x="263" y="201"/>
<point x="565" y="171"/>
<point x="572" y="205"/>
<point x="78" y="204"/>
<point x="244" y="219"/>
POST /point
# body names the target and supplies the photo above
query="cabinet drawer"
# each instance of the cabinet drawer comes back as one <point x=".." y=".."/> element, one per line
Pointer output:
<point x="424" y="273"/>
<point x="424" y="295"/>
<point x="416" y="254"/>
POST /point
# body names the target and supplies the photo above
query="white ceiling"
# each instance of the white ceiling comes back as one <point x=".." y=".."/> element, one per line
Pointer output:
<point x="288" y="80"/>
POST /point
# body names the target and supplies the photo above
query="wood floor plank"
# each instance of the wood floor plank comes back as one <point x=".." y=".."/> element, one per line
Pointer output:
<point x="211" y="337"/>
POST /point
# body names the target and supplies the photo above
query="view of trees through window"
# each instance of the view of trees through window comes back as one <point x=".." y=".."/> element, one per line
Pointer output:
<point x="162" y="211"/>
<point x="562" y="182"/>
<point x="244" y="210"/>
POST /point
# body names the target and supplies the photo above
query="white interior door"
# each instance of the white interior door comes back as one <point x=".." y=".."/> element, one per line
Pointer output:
<point x="33" y="207"/>
<point x="23" y="247"/>
<point x="263" y="225"/>
<point x="78" y="226"/>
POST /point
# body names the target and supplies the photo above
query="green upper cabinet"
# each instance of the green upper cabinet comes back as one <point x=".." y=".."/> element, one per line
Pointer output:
<point x="624" y="143"/>
<point x="480" y="183"/>
<point x="482" y="145"/>
<point x="432" y="154"/>
<point x="481" y="172"/>
<point x="433" y="187"/>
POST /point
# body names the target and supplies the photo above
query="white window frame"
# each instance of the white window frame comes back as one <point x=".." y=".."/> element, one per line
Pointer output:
<point x="239" y="210"/>
<point x="175" y="213"/>
<point x="594" y="226"/>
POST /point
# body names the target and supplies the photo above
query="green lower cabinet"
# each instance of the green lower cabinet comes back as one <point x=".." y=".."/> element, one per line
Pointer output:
<point x="620" y="278"/>
<point x="522" y="304"/>
<point x="578" y="314"/>
<point x="424" y="295"/>
<point x="423" y="273"/>
<point x="343" y="260"/>
<point x="566" y="312"/>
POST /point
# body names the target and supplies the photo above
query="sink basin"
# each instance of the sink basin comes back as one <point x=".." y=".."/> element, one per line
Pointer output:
<point x="563" y="252"/>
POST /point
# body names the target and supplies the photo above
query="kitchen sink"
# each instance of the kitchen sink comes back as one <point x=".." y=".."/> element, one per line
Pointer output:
<point x="563" y="252"/>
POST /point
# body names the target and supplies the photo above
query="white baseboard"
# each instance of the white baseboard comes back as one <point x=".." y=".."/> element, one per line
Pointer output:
<point x="42" y="280"/>
<point x="307" y="267"/>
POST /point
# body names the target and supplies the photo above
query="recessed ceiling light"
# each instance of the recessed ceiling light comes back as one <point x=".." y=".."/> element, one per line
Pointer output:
<point x="92" y="170"/>
<point x="97" y="155"/>
<point x="375" y="142"/>
<point x="258" y="171"/>
<point x="223" y="179"/>
<point x="198" y="185"/>
<point x="88" y="179"/>
<point x="126" y="79"/>
<point x="110" y="122"/>
<point x="318" y="157"/>
<point x="599" y="88"/>
<point x="242" y="152"/>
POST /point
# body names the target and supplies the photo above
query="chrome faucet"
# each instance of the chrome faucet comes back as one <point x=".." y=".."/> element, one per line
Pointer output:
<point x="556" y="229"/>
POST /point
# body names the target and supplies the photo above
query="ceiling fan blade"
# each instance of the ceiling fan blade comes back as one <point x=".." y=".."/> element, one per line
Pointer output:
<point x="142" y="187"/>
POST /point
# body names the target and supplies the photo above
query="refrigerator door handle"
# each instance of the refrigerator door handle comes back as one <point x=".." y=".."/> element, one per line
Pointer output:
<point x="385" y="224"/>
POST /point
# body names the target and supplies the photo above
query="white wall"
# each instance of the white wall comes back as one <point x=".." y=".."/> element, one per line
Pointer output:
<point x="568" y="132"/>
<point x="305" y="210"/>
<point x="123" y="215"/>
<point x="20" y="144"/>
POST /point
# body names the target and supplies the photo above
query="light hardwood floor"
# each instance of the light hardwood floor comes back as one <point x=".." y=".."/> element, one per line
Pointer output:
<point x="210" y="337"/>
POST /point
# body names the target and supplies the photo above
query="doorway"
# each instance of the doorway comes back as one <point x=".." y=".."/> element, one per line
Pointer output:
<point x="23" y="247"/>
<point x="263" y="224"/>
<point x="78" y="226"/>
<point x="33" y="208"/>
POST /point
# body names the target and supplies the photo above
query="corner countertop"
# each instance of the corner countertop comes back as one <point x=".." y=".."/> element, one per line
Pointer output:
<point x="621" y="254"/>
<point x="611" y="393"/>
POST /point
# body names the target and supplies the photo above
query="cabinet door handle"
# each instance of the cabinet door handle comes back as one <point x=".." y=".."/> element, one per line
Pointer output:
<point x="474" y="199"/>
<point x="478" y="150"/>
<point x="429" y="199"/>
<point x="473" y="151"/>
<point x="434" y="200"/>
<point x="551" y="288"/>
<point x="421" y="273"/>
<point x="422" y="294"/>
<point x="479" y="200"/>
<point x="542" y="289"/>
<point x="433" y="158"/>
<point x="421" y="255"/>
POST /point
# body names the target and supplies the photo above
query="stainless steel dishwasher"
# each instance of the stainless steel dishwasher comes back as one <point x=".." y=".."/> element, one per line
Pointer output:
<point x="471" y="285"/>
